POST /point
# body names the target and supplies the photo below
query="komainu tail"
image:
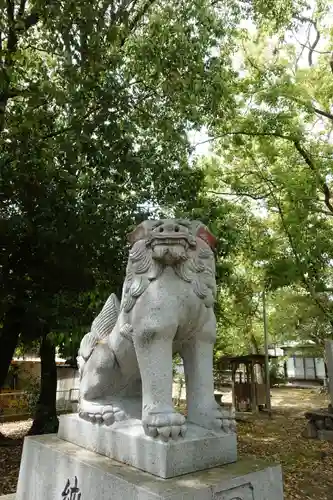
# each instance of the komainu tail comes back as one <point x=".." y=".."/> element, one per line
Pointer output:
<point x="101" y="327"/>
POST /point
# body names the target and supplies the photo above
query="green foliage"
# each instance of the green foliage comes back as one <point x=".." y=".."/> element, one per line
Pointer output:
<point x="273" y="158"/>
<point x="32" y="390"/>
<point x="91" y="135"/>
<point x="96" y="102"/>
<point x="296" y="316"/>
<point x="276" y="373"/>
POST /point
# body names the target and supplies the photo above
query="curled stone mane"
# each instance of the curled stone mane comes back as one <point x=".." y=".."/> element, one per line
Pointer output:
<point x="142" y="269"/>
<point x="199" y="269"/>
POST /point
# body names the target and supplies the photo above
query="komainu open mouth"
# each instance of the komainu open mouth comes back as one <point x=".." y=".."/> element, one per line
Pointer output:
<point x="169" y="241"/>
<point x="172" y="239"/>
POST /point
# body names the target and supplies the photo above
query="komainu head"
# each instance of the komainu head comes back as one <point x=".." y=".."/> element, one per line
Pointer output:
<point x="172" y="240"/>
<point x="186" y="246"/>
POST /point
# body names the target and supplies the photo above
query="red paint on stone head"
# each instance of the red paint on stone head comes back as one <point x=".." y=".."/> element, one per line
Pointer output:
<point x="204" y="233"/>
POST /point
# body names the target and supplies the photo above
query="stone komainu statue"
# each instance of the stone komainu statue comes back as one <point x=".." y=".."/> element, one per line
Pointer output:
<point x="166" y="307"/>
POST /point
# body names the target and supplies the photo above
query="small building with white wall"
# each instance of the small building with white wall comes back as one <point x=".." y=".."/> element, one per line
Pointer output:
<point x="301" y="362"/>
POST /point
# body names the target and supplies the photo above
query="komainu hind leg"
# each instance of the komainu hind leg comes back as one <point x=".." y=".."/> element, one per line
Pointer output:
<point x="97" y="374"/>
<point x="100" y="412"/>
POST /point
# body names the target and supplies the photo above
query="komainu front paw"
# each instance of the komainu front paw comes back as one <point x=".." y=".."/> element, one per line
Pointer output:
<point x="164" y="423"/>
<point x="215" y="418"/>
<point x="101" y="413"/>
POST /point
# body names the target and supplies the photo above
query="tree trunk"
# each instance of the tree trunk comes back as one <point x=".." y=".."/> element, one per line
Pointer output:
<point x="45" y="419"/>
<point x="9" y="335"/>
<point x="254" y="344"/>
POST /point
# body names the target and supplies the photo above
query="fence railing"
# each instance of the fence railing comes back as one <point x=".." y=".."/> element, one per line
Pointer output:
<point x="16" y="403"/>
<point x="13" y="403"/>
<point x="66" y="399"/>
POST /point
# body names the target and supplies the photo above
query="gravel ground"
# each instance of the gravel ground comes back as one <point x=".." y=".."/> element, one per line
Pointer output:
<point x="10" y="455"/>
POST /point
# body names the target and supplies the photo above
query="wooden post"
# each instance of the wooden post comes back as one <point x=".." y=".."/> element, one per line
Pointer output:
<point x="248" y="382"/>
<point x="254" y="405"/>
<point x="233" y="376"/>
<point x="267" y="379"/>
<point x="329" y="365"/>
<point x="247" y="373"/>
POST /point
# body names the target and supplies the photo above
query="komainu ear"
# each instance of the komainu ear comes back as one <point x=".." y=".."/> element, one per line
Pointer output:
<point x="139" y="233"/>
<point x="204" y="233"/>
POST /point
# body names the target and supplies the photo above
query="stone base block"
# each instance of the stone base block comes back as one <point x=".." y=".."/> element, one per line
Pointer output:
<point x="52" y="468"/>
<point x="126" y="442"/>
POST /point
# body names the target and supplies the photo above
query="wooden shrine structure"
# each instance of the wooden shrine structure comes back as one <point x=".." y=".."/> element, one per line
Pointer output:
<point x="248" y="384"/>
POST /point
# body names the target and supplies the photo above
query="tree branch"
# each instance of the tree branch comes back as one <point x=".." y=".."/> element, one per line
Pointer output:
<point x="316" y="41"/>
<point x="12" y="40"/>
<point x="323" y="113"/>
<point x="308" y="160"/>
<point x="140" y="14"/>
<point x="12" y="37"/>
<point x="244" y="132"/>
<point x="324" y="186"/>
<point x="8" y="62"/>
<point x="322" y="52"/>
<point x="10" y="11"/>
<point x="63" y="130"/>
<point x="132" y="25"/>
<point x="320" y="112"/>
<point x="246" y="195"/>
<point x="21" y="9"/>
<point x="33" y="47"/>
<point x="314" y="44"/>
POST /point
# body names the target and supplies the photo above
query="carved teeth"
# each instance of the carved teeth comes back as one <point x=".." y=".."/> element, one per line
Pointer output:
<point x="169" y="241"/>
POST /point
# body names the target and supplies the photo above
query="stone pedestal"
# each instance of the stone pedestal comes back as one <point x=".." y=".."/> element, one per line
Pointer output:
<point x="52" y="469"/>
<point x="126" y="442"/>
